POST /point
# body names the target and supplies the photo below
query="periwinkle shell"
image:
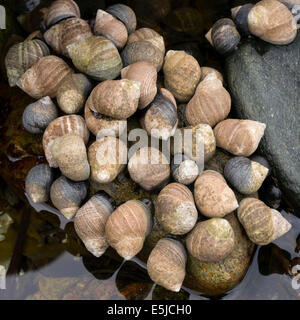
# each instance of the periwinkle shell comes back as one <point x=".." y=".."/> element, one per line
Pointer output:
<point x="124" y="14"/>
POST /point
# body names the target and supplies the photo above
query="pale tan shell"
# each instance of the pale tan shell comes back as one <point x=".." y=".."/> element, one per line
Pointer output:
<point x="182" y="74"/>
<point x="111" y="28"/>
<point x="239" y="137"/>
<point x="145" y="73"/>
<point x="175" y="209"/>
<point x="207" y="70"/>
<point x="115" y="98"/>
<point x="166" y="264"/>
<point x="101" y="125"/>
<point x="127" y="228"/>
<point x="87" y="53"/>
<point x="44" y="77"/>
<point x="73" y="92"/>
<point x="213" y="196"/>
<point x="273" y="22"/>
<point x="184" y="170"/>
<point x="60" y="36"/>
<point x="90" y="221"/>
<point x="211" y="240"/>
<point x="69" y="152"/>
<point x="60" y="126"/>
<point x="149" y="168"/>
<point x="210" y="104"/>
<point x="262" y="224"/>
<point x="107" y="158"/>
<point x="60" y="10"/>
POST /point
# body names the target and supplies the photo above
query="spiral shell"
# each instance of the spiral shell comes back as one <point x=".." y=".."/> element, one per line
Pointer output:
<point x="111" y="28"/>
<point x="213" y="196"/>
<point x="67" y="195"/>
<point x="122" y="104"/>
<point x="244" y="175"/>
<point x="96" y="57"/>
<point x="239" y="137"/>
<point x="124" y="14"/>
<point x="38" y="115"/>
<point x="60" y="10"/>
<point x="101" y="125"/>
<point x="144" y="45"/>
<point x="127" y="228"/>
<point x="107" y="158"/>
<point x="22" y="56"/>
<point x="184" y="170"/>
<point x="38" y="182"/>
<point x="210" y="104"/>
<point x="161" y="118"/>
<point x="149" y="168"/>
<point x="63" y="125"/>
<point x="240" y="18"/>
<point x="224" y="36"/>
<point x="73" y="92"/>
<point x="166" y="264"/>
<point x="207" y="70"/>
<point x="175" y="209"/>
<point x="69" y="152"/>
<point x="90" y="221"/>
<point x="211" y="240"/>
<point x="60" y="36"/>
<point x="44" y="77"/>
<point x="182" y="74"/>
<point x="145" y="73"/>
<point x="261" y="160"/>
<point x="262" y="224"/>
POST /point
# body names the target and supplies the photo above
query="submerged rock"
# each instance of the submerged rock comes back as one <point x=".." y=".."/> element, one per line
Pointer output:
<point x="264" y="84"/>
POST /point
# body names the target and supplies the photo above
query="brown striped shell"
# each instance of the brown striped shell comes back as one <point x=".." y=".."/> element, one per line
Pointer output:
<point x="211" y="240"/>
<point x="207" y="70"/>
<point x="44" y="77"/>
<point x="149" y="168"/>
<point x="166" y="264"/>
<point x="73" y="92"/>
<point x="142" y="34"/>
<point x="145" y="73"/>
<point x="124" y="14"/>
<point x="63" y="125"/>
<point x="213" y="196"/>
<point x="101" y="125"/>
<point x="97" y="57"/>
<point x="210" y="104"/>
<point x="69" y="152"/>
<point x="175" y="209"/>
<point x="21" y="56"/>
<point x="167" y="94"/>
<point x="239" y="137"/>
<point x="107" y="158"/>
<point x="263" y="225"/>
<point x="60" y="36"/>
<point x="60" y="10"/>
<point x="111" y="28"/>
<point x="122" y="104"/>
<point x="127" y="228"/>
<point x="90" y="221"/>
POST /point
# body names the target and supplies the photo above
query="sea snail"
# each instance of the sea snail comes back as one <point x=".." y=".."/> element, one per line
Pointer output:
<point x="269" y="20"/>
<point x="184" y="170"/>
<point x="213" y="196"/>
<point x="90" y="221"/>
<point x="244" y="175"/>
<point x="166" y="264"/>
<point x="127" y="228"/>
<point x="262" y="224"/>
<point x="175" y="209"/>
<point x="211" y="240"/>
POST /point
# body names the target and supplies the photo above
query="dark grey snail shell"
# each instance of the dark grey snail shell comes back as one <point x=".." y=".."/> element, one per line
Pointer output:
<point x="125" y="14"/>
<point x="241" y="20"/>
<point x="38" y="115"/>
<point x="38" y="182"/>
<point x="67" y="195"/>
<point x="225" y="36"/>
<point x="184" y="170"/>
<point x="245" y="175"/>
<point x="263" y="161"/>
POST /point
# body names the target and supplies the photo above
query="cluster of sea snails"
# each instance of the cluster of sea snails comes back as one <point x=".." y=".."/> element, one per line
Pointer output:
<point x="191" y="203"/>
<point x="270" y="20"/>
